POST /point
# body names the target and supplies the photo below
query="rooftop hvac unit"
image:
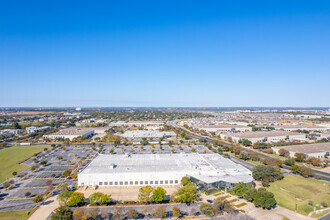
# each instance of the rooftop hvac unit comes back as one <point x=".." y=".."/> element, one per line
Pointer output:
<point x="112" y="166"/>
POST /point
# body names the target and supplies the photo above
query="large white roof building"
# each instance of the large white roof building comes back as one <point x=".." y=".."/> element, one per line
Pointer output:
<point x="207" y="170"/>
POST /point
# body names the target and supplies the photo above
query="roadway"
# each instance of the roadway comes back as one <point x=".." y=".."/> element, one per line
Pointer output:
<point x="324" y="175"/>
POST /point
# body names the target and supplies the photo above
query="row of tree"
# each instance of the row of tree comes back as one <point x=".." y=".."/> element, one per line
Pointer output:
<point x="260" y="198"/>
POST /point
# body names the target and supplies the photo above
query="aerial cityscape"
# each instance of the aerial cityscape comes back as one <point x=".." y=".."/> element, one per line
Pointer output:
<point x="165" y="110"/>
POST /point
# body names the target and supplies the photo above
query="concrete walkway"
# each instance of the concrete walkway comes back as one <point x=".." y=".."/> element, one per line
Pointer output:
<point x="45" y="209"/>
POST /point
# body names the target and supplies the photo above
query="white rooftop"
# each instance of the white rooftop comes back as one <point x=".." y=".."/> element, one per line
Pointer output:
<point x="208" y="168"/>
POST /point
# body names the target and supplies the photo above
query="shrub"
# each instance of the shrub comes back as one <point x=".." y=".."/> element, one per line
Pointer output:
<point x="38" y="199"/>
<point x="206" y="209"/>
<point x="27" y="194"/>
<point x="132" y="214"/>
<point x="6" y="184"/>
<point x="62" y="213"/>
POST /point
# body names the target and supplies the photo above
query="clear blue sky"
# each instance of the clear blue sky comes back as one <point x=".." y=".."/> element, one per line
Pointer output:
<point x="165" y="53"/>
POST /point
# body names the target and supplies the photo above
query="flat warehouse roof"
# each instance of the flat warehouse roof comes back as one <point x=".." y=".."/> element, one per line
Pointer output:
<point x="74" y="131"/>
<point x="132" y="134"/>
<point x="260" y="134"/>
<point x="308" y="148"/>
<point x="206" y="167"/>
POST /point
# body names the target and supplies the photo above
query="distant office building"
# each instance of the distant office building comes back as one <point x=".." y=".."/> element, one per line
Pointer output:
<point x="71" y="133"/>
<point x="10" y="131"/>
<point x="30" y="130"/>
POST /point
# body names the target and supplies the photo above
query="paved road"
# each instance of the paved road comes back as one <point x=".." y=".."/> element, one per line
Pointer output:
<point x="245" y="164"/>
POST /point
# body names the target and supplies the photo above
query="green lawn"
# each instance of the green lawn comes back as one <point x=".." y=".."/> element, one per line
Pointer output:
<point x="304" y="189"/>
<point x="11" y="157"/>
<point x="15" y="215"/>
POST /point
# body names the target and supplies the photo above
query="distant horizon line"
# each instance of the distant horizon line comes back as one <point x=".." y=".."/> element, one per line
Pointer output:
<point x="205" y="107"/>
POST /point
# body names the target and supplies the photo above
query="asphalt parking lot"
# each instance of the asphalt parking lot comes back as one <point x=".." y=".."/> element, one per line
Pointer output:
<point x="35" y="181"/>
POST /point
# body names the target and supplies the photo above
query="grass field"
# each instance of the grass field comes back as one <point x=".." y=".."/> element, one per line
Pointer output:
<point x="11" y="157"/>
<point x="305" y="189"/>
<point x="15" y="215"/>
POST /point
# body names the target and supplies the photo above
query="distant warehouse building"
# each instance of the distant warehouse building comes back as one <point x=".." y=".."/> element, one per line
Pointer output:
<point x="71" y="133"/>
<point x="208" y="171"/>
<point x="265" y="136"/>
<point x="10" y="131"/>
<point x="300" y="127"/>
<point x="224" y="128"/>
<point x="148" y="134"/>
<point x="319" y="150"/>
<point x="31" y="130"/>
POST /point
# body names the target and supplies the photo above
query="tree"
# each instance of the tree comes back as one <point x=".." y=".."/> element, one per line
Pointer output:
<point x="193" y="150"/>
<point x="254" y="156"/>
<point x="44" y="162"/>
<point x="64" y="197"/>
<point x="260" y="172"/>
<point x="306" y="172"/>
<point x="246" y="142"/>
<point x="315" y="161"/>
<point x="250" y="194"/>
<point x="239" y="189"/>
<point x="49" y="182"/>
<point x="38" y="199"/>
<point x="177" y="212"/>
<point x="158" y="195"/>
<point x="62" y="213"/>
<point x="15" y="125"/>
<point x="283" y="152"/>
<point x="295" y="168"/>
<point x="132" y="214"/>
<point x="118" y="214"/>
<point x="14" y="173"/>
<point x="244" y="156"/>
<point x="185" y="180"/>
<point x="272" y="162"/>
<point x="99" y="198"/>
<point x="264" y="199"/>
<point x="145" y="194"/>
<point x="27" y="194"/>
<point x="77" y="199"/>
<point x="187" y="193"/>
<point x="6" y="184"/>
<point x="206" y="209"/>
<point x="67" y="172"/>
<point x="80" y="214"/>
<point x="160" y="212"/>
<point x="289" y="162"/>
<point x="300" y="157"/>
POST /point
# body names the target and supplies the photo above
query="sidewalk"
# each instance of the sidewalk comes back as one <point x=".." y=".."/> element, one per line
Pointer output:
<point x="45" y="209"/>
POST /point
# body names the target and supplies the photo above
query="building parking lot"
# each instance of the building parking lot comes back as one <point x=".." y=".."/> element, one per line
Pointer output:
<point x="30" y="183"/>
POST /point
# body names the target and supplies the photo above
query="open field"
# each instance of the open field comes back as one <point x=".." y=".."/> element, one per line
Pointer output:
<point x="11" y="157"/>
<point x="304" y="189"/>
<point x="15" y="215"/>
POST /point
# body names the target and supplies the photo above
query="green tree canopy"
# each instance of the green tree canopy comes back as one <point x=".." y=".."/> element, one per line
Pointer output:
<point x="145" y="194"/>
<point x="158" y="195"/>
<point x="99" y="198"/>
<point x="77" y="199"/>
